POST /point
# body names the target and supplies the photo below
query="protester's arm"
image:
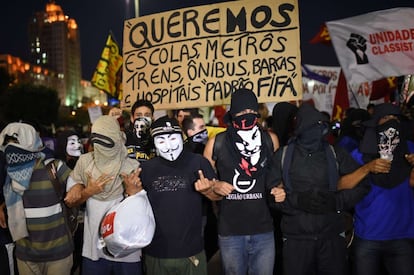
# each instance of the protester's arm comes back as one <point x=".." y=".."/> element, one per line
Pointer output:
<point x="275" y="141"/>
<point x="375" y="166"/>
<point x="79" y="193"/>
<point x="208" y="151"/>
<point x="213" y="189"/>
<point x="410" y="159"/>
<point x="3" y="223"/>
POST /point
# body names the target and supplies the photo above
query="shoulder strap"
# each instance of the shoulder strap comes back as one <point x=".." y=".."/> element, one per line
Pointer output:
<point x="286" y="160"/>
<point x="268" y="141"/>
<point x="218" y="145"/>
<point x="52" y="171"/>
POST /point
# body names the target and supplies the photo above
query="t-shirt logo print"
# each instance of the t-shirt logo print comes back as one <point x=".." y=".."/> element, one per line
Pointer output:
<point x="250" y="149"/>
<point x="242" y="186"/>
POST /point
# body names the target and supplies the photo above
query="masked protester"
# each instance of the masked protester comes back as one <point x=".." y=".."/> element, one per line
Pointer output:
<point x="313" y="224"/>
<point x="35" y="217"/>
<point x="352" y="129"/>
<point x="169" y="179"/>
<point x="138" y="138"/>
<point x="194" y="128"/>
<point x="384" y="219"/>
<point x="68" y="149"/>
<point x="102" y="178"/>
<point x="241" y="156"/>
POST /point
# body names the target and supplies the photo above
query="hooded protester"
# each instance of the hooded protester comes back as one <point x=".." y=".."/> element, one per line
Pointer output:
<point x="101" y="178"/>
<point x="313" y="224"/>
<point x="241" y="156"/>
<point x="283" y="121"/>
<point x="384" y="219"/>
<point x="35" y="217"/>
<point x="352" y="129"/>
<point x="169" y="179"/>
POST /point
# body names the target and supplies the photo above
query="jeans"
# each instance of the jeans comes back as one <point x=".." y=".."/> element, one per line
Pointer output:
<point x="105" y="267"/>
<point x="396" y="255"/>
<point x="248" y="254"/>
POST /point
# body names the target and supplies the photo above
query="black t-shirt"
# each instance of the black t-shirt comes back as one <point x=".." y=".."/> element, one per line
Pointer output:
<point x="177" y="206"/>
<point x="141" y="149"/>
<point x="245" y="211"/>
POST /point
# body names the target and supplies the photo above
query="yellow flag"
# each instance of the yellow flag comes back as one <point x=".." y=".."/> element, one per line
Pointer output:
<point x="108" y="73"/>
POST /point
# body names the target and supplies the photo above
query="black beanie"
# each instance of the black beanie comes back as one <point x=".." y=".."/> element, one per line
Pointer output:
<point x="241" y="99"/>
<point x="165" y="125"/>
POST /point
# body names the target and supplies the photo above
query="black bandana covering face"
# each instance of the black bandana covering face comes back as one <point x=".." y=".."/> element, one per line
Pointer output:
<point x="388" y="135"/>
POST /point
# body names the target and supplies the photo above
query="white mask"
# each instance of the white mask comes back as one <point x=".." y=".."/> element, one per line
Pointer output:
<point x="251" y="145"/>
<point x="73" y="146"/>
<point x="169" y="146"/>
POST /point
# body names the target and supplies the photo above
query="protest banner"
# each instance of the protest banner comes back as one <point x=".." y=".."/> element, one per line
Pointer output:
<point x="375" y="45"/>
<point x="194" y="57"/>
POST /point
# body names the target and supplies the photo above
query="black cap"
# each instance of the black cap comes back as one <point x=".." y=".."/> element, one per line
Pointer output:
<point x="165" y="125"/>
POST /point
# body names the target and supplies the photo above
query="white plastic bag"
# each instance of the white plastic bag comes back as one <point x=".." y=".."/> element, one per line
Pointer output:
<point x="128" y="226"/>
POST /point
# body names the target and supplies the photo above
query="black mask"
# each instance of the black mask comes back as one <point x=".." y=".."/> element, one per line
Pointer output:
<point x="312" y="138"/>
<point x="245" y="121"/>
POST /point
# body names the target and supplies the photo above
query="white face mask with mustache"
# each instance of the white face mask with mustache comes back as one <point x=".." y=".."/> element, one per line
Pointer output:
<point x="73" y="146"/>
<point x="169" y="146"/>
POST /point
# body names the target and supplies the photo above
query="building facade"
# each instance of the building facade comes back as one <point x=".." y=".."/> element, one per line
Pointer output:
<point x="55" y="45"/>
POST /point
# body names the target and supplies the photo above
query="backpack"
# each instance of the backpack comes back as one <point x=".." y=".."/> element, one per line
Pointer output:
<point x="287" y="154"/>
<point x="285" y="165"/>
<point x="70" y="213"/>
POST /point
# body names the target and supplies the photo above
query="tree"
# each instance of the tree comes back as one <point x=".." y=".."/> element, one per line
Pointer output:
<point x="30" y="103"/>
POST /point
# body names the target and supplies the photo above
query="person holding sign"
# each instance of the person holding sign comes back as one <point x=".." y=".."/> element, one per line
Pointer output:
<point x="241" y="156"/>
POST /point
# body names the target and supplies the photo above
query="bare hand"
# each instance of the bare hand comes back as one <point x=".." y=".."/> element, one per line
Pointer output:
<point x="74" y="194"/>
<point x="132" y="182"/>
<point x="222" y="188"/>
<point x="3" y="223"/>
<point x="410" y="159"/>
<point x="279" y="194"/>
<point x="97" y="186"/>
<point x="203" y="185"/>
<point x="379" y="166"/>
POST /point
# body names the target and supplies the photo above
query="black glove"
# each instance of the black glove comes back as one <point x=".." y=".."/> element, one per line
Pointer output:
<point x="317" y="202"/>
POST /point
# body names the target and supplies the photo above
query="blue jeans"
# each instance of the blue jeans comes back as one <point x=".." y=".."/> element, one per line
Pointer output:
<point x="105" y="267"/>
<point x="397" y="256"/>
<point x="248" y="254"/>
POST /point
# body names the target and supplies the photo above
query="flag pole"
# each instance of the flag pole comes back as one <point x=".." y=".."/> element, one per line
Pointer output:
<point x="136" y="4"/>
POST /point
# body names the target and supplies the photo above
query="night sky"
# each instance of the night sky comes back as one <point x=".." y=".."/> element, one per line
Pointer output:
<point x="96" y="18"/>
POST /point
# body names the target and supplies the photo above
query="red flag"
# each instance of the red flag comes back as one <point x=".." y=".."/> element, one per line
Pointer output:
<point x="322" y="36"/>
<point x="341" y="102"/>
<point x="383" y="87"/>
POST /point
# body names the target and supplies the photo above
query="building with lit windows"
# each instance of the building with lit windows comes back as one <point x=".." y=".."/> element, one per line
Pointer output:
<point x="24" y="72"/>
<point x="55" y="45"/>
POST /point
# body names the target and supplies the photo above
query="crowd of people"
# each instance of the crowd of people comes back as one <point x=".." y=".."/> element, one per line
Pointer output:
<point x="264" y="195"/>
